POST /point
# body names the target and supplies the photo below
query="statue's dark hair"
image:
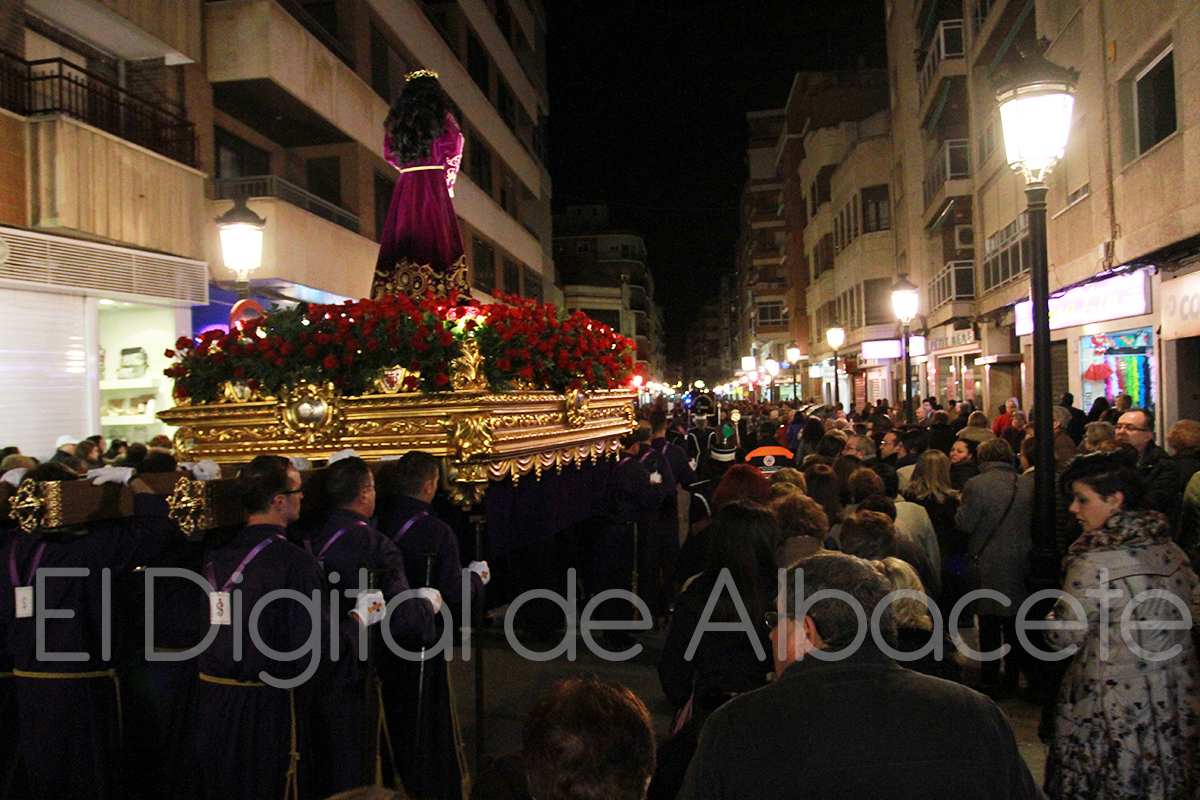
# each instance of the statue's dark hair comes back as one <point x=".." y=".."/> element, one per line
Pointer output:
<point x="417" y="118"/>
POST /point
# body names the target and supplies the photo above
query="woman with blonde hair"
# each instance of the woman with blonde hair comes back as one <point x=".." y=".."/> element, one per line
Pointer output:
<point x="914" y="625"/>
<point x="932" y="489"/>
<point x="977" y="429"/>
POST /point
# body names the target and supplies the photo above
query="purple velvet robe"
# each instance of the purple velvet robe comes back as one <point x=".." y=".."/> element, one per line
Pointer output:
<point x="421" y="248"/>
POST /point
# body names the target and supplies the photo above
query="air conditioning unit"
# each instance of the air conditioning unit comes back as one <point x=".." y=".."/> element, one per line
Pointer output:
<point x="964" y="237"/>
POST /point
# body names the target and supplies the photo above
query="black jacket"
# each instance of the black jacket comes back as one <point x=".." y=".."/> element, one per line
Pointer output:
<point x="856" y="728"/>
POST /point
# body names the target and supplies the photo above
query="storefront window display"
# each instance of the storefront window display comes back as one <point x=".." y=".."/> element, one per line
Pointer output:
<point x="1121" y="362"/>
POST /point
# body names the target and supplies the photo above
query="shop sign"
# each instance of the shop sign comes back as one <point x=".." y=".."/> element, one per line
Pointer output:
<point x="1122" y="296"/>
<point x="956" y="339"/>
<point x="1181" y="307"/>
<point x="892" y="348"/>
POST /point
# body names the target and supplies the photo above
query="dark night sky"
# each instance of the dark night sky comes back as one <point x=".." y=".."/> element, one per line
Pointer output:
<point x="647" y="114"/>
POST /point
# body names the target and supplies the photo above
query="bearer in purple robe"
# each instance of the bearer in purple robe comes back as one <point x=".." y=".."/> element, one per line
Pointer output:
<point x="344" y="544"/>
<point x="251" y="714"/>
<point x="421" y="248"/>
<point x="68" y="698"/>
<point x="431" y="558"/>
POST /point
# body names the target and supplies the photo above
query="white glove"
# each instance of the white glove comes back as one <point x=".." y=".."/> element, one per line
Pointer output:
<point x="300" y="463"/>
<point x="432" y="595"/>
<point x="389" y="458"/>
<point x="655" y="477"/>
<point x="13" y="476"/>
<point x="110" y="475"/>
<point x="338" y="456"/>
<point x="206" y="470"/>
<point x="370" y="607"/>
<point x="480" y="568"/>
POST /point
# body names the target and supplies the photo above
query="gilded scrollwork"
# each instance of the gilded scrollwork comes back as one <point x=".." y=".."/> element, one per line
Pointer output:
<point x="576" y="405"/>
<point x="28" y="506"/>
<point x="470" y="435"/>
<point x="466" y="371"/>
<point x="312" y="412"/>
<point x="188" y="505"/>
<point x="391" y="380"/>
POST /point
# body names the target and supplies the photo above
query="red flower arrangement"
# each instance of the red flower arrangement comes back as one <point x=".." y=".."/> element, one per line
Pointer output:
<point x="522" y="342"/>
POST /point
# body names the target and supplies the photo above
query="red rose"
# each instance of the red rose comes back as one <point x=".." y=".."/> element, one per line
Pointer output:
<point x="526" y="372"/>
<point x="348" y="359"/>
<point x="239" y="372"/>
<point x="414" y="366"/>
<point x="372" y="345"/>
<point x="310" y="351"/>
<point x="218" y="358"/>
<point x="330" y="362"/>
<point x="181" y="390"/>
<point x="440" y="379"/>
<point x="504" y="364"/>
<point x="339" y="381"/>
<point x="321" y="338"/>
<point x="183" y="343"/>
<point x="252" y="383"/>
<point x="169" y="353"/>
<point x="285" y="349"/>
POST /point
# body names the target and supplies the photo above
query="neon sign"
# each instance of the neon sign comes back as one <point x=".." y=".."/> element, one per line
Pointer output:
<point x="1122" y="296"/>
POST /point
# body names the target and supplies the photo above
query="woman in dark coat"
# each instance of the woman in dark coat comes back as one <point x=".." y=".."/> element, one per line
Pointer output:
<point x="725" y="663"/>
<point x="930" y="488"/>
<point x="962" y="462"/>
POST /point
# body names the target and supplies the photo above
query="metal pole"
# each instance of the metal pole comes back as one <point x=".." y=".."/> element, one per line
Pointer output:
<point x="907" y="404"/>
<point x="478" y="654"/>
<point x="837" y="394"/>
<point x="795" y="397"/>
<point x="1045" y="566"/>
<point x="429" y="557"/>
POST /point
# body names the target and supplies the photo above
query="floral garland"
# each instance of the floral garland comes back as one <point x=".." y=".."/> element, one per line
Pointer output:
<point x="522" y="342"/>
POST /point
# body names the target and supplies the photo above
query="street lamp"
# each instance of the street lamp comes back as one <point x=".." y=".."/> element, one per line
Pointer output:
<point x="906" y="299"/>
<point x="772" y="367"/>
<point x="836" y="337"/>
<point x="1037" y="99"/>
<point x="748" y="364"/>
<point x="241" y="242"/>
<point x="793" y="356"/>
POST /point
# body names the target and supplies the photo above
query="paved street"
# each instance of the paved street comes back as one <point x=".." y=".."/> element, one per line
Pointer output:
<point x="512" y="684"/>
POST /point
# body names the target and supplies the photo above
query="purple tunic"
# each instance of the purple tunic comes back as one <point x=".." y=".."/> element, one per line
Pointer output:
<point x="421" y="248"/>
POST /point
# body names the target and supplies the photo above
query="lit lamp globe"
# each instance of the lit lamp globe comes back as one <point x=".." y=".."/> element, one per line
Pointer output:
<point x="772" y="367"/>
<point x="241" y="241"/>
<point x="836" y="337"/>
<point x="748" y="364"/>
<point x="793" y="354"/>
<point x="906" y="300"/>
<point x="1036" y="104"/>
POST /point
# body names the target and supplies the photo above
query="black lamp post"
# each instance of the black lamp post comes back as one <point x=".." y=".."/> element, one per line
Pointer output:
<point x="793" y="355"/>
<point x="906" y="299"/>
<point x="836" y="337"/>
<point x="1037" y="100"/>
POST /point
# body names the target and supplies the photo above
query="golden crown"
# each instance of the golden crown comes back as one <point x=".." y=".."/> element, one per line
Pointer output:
<point x="421" y="73"/>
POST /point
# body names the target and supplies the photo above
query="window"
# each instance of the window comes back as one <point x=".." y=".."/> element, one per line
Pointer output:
<point x="877" y="301"/>
<point x="479" y="164"/>
<point x="512" y="277"/>
<point x="383" y="202"/>
<point x="325" y="178"/>
<point x="506" y="105"/>
<point x="484" y="266"/>
<point x="533" y="284"/>
<point x="387" y="67"/>
<point x="605" y="316"/>
<point x="854" y="217"/>
<point x="477" y="64"/>
<point x="876" y="213"/>
<point x="1007" y="253"/>
<point x="508" y="193"/>
<point x="504" y="20"/>
<point x="237" y="158"/>
<point x="1154" y="101"/>
<point x="771" y="314"/>
<point x="583" y="248"/>
<point x="989" y="136"/>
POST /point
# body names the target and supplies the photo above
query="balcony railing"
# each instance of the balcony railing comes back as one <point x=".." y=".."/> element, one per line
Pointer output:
<point x="56" y="86"/>
<point x="956" y="281"/>
<point x="952" y="162"/>
<point x="272" y="186"/>
<point x="947" y="43"/>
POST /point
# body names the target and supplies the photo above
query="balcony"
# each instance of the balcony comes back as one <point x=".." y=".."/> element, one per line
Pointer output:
<point x="943" y="61"/>
<point x="952" y="163"/>
<point x="56" y="86"/>
<point x="273" y="186"/>
<point x="955" y="282"/>
<point x="275" y="75"/>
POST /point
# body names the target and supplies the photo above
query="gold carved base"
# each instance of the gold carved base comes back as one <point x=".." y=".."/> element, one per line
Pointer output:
<point x="480" y="436"/>
<point x="414" y="280"/>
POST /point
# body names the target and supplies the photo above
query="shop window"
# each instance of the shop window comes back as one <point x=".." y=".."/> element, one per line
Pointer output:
<point x="876" y="212"/>
<point x="1154" y="101"/>
<point x="512" y="277"/>
<point x="1116" y="363"/>
<point x="484" y="265"/>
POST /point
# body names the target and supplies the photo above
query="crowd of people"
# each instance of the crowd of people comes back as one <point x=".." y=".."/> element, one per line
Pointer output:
<point x="702" y="514"/>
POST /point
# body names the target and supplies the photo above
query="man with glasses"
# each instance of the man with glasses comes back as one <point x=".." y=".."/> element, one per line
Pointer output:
<point x="1159" y="471"/>
<point x="843" y="719"/>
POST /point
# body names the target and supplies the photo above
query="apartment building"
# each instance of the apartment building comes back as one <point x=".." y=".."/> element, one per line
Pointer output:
<point x="604" y="274"/>
<point x="1123" y="225"/>
<point x="129" y="125"/>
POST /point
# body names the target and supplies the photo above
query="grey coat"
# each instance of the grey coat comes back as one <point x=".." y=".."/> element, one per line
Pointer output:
<point x="1001" y="540"/>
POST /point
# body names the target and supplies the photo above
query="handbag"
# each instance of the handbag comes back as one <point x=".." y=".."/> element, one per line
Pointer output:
<point x="972" y="578"/>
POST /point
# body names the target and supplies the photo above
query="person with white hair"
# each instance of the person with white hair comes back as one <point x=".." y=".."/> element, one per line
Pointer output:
<point x="64" y="448"/>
